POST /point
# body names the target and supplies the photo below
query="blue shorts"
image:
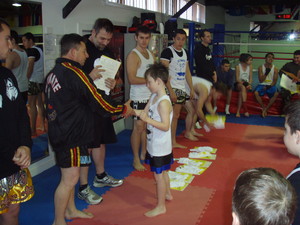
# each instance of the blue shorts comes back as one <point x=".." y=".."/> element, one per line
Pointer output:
<point x="266" y="89"/>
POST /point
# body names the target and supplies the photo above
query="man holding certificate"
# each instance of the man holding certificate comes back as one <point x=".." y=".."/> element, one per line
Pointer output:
<point x="290" y="68"/>
<point x="96" y="45"/>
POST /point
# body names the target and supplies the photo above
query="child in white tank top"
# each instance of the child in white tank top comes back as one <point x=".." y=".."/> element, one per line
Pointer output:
<point x="158" y="115"/>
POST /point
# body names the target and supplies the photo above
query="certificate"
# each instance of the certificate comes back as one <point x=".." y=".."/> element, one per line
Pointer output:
<point x="111" y="68"/>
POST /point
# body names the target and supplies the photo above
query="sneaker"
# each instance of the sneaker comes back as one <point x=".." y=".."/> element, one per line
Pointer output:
<point x="197" y="125"/>
<point x="89" y="196"/>
<point x="107" y="181"/>
<point x="227" y="112"/>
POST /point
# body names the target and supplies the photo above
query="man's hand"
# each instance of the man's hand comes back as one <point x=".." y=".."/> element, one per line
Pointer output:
<point x="129" y="110"/>
<point x="96" y="73"/>
<point x="110" y="83"/>
<point x="22" y="157"/>
<point x="192" y="94"/>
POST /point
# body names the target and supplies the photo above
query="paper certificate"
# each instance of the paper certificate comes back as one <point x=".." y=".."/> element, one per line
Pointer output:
<point x="288" y="84"/>
<point x="111" y="68"/>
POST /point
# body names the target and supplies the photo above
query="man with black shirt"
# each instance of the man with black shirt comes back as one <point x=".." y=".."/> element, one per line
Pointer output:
<point x="15" y="141"/>
<point x="204" y="61"/>
<point x="294" y="68"/>
<point x="35" y="74"/>
<point x="96" y="44"/>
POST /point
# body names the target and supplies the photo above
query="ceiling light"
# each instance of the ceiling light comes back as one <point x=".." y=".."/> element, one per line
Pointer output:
<point x="292" y="36"/>
<point x="16" y="4"/>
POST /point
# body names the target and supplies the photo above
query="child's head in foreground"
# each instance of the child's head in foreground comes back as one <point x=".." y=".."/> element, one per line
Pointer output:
<point x="292" y="127"/>
<point x="262" y="196"/>
<point x="158" y="73"/>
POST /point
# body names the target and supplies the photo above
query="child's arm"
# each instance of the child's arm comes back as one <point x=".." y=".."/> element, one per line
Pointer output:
<point x="261" y="75"/>
<point x="250" y="74"/>
<point x="138" y="112"/>
<point x="237" y="74"/>
<point x="275" y="77"/>
<point x="164" y="109"/>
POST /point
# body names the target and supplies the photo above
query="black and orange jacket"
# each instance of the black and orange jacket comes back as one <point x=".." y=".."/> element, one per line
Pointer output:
<point x="71" y="101"/>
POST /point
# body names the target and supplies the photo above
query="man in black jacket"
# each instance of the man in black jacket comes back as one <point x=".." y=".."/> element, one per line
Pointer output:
<point x="72" y="100"/>
<point x="15" y="141"/>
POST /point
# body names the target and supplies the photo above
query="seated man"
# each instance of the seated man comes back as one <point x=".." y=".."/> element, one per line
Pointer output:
<point x="225" y="75"/>
<point x="263" y="196"/>
<point x="290" y="67"/>
<point x="267" y="76"/>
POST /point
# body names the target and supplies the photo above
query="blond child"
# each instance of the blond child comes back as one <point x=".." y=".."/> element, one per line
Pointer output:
<point x="158" y="115"/>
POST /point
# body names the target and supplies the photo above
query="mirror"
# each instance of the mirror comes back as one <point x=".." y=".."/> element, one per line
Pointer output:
<point x="27" y="17"/>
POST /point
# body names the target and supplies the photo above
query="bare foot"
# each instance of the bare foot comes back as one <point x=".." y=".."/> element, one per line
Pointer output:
<point x="197" y="134"/>
<point x="264" y="113"/>
<point x="191" y="137"/>
<point x="176" y="145"/>
<point x="138" y="166"/>
<point x="246" y="114"/>
<point x="156" y="211"/>
<point x="143" y="156"/>
<point x="60" y="223"/>
<point x="169" y="197"/>
<point x="238" y="115"/>
<point x="78" y="214"/>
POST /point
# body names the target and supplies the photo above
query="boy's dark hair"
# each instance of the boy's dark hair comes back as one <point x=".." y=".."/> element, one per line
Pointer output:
<point x="2" y="21"/>
<point x="202" y="33"/>
<point x="103" y="23"/>
<point x="14" y="35"/>
<point x="28" y="36"/>
<point x="297" y="52"/>
<point x="292" y="115"/>
<point x="69" y="41"/>
<point x="142" y="29"/>
<point x="158" y="70"/>
<point x="269" y="53"/>
<point x="263" y="196"/>
<point x="225" y="61"/>
<point x="179" y="31"/>
<point x="244" y="57"/>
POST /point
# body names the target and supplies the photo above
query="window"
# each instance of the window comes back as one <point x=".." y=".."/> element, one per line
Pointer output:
<point x="195" y="13"/>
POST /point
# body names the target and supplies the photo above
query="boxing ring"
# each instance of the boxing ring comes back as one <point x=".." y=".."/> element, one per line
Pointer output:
<point x="230" y="44"/>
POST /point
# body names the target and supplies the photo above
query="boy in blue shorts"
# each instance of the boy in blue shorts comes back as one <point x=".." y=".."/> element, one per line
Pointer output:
<point x="267" y="76"/>
<point x="158" y="115"/>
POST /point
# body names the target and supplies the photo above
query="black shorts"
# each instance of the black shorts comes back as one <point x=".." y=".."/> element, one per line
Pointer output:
<point x="181" y="95"/>
<point x="104" y="132"/>
<point x="73" y="157"/>
<point x="158" y="164"/>
<point x="138" y="105"/>
<point x="34" y="88"/>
